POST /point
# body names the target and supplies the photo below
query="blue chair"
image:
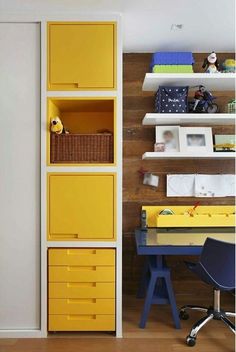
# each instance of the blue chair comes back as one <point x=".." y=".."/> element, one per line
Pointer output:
<point x="216" y="268"/>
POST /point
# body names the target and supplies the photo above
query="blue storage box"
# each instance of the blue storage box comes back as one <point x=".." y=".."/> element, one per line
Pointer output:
<point x="172" y="58"/>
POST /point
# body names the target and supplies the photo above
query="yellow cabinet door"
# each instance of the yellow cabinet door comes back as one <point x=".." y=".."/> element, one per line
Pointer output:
<point x="81" y="206"/>
<point x="81" y="55"/>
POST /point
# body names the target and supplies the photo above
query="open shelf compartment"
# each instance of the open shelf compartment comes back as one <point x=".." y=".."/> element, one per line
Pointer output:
<point x="91" y="126"/>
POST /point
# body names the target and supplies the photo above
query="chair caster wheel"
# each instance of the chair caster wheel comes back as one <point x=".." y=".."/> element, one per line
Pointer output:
<point x="191" y="341"/>
<point x="183" y="315"/>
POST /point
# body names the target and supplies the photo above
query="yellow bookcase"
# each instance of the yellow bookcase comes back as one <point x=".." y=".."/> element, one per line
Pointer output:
<point x="83" y="176"/>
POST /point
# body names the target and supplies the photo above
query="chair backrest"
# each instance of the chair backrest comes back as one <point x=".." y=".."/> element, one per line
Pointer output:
<point x="218" y="258"/>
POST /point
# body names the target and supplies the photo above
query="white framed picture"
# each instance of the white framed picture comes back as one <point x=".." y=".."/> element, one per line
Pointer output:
<point x="196" y="140"/>
<point x="168" y="138"/>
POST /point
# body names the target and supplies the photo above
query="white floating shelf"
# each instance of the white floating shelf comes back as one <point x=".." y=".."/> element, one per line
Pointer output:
<point x="163" y="155"/>
<point x="193" y="119"/>
<point x="212" y="81"/>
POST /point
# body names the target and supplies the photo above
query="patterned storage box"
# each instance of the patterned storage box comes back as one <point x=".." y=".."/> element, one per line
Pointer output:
<point x="171" y="100"/>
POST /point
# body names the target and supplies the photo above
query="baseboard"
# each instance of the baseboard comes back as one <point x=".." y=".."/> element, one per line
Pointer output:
<point x="21" y="334"/>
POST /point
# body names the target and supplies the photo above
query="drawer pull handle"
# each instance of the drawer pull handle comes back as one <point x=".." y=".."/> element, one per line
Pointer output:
<point x="81" y="301"/>
<point x="81" y="252"/>
<point x="71" y="236"/>
<point x="81" y="284"/>
<point x="81" y="268"/>
<point x="81" y="317"/>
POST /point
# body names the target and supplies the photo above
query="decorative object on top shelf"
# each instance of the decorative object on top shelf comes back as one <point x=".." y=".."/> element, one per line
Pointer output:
<point x="56" y="126"/>
<point x="228" y="66"/>
<point x="210" y="63"/>
<point x="196" y="140"/>
<point x="225" y="143"/>
<point x="203" y="102"/>
<point x="231" y="106"/>
<point x="172" y="62"/>
<point x="167" y="139"/>
<point x="171" y="100"/>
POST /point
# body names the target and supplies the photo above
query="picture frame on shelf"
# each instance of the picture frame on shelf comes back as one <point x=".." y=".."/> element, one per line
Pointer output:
<point x="196" y="140"/>
<point x="224" y="143"/>
<point x="167" y="139"/>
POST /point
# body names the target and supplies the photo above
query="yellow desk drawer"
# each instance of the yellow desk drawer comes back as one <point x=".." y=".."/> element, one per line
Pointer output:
<point x="81" y="306"/>
<point x="81" y="206"/>
<point x="81" y="322"/>
<point x="81" y="274"/>
<point x="81" y="290"/>
<point x="81" y="257"/>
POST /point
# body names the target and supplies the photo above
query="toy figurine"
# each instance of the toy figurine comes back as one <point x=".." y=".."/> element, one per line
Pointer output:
<point x="203" y="102"/>
<point x="211" y="63"/>
<point x="57" y="126"/>
<point x="229" y="65"/>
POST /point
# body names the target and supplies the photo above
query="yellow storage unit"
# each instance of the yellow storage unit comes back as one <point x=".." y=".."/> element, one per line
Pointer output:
<point x="81" y="55"/>
<point x="81" y="206"/>
<point x="203" y="216"/>
<point x="81" y="298"/>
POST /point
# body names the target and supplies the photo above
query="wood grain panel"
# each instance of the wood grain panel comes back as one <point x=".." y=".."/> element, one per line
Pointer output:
<point x="139" y="139"/>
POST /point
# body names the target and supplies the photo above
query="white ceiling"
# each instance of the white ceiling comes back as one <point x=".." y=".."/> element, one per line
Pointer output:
<point x="207" y="24"/>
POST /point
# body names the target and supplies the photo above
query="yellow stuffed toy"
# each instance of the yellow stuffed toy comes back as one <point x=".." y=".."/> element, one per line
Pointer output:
<point x="57" y="126"/>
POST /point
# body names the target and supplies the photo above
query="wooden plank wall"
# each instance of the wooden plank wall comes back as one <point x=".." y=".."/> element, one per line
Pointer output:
<point x="139" y="139"/>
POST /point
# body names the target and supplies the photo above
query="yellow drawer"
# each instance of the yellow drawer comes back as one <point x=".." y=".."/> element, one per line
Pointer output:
<point x="81" y="306"/>
<point x="81" y="322"/>
<point x="81" y="273"/>
<point x="81" y="257"/>
<point x="81" y="290"/>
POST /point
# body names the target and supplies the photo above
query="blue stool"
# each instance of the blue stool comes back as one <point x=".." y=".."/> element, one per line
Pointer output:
<point x="156" y="283"/>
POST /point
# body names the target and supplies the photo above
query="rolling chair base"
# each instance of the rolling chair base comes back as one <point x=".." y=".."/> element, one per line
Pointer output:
<point x="211" y="313"/>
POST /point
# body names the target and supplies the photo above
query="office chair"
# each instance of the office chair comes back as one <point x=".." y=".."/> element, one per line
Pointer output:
<point x="216" y="268"/>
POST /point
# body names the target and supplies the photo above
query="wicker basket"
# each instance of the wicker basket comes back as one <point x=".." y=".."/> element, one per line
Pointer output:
<point x="81" y="148"/>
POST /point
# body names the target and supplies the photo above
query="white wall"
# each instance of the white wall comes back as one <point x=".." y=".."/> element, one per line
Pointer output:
<point x="19" y="176"/>
<point x="208" y="24"/>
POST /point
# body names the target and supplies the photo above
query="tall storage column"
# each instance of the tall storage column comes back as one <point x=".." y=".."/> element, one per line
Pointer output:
<point x="82" y="156"/>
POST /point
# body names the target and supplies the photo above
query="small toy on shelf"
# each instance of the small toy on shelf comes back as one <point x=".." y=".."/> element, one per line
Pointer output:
<point x="203" y="102"/>
<point x="228" y="66"/>
<point x="210" y="63"/>
<point x="231" y="106"/>
<point x="56" y="126"/>
<point x="225" y="143"/>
